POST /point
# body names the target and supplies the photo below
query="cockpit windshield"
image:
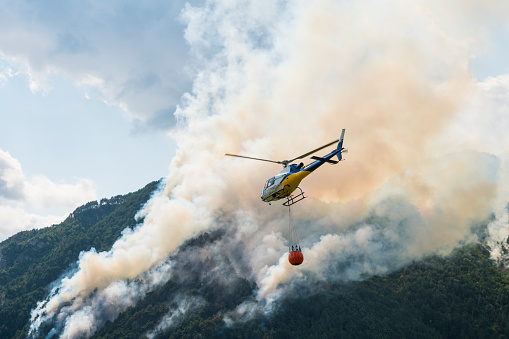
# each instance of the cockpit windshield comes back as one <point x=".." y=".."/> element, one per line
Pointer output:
<point x="270" y="182"/>
<point x="274" y="180"/>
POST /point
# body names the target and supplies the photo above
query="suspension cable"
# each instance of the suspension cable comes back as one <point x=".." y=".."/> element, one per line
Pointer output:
<point x="292" y="232"/>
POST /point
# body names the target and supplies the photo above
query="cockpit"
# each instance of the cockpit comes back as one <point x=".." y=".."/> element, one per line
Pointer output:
<point x="269" y="182"/>
<point x="274" y="181"/>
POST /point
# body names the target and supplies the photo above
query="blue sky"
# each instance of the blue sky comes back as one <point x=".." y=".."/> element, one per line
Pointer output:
<point x="87" y="95"/>
<point x="64" y="136"/>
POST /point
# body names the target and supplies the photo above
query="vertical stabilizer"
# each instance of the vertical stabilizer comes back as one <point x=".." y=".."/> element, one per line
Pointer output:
<point x="340" y="144"/>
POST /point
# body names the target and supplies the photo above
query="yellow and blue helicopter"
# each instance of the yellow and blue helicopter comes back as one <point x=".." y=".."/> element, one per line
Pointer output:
<point x="287" y="180"/>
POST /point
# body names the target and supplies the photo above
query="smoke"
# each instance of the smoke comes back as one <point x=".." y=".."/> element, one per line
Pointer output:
<point x="497" y="237"/>
<point x="176" y="314"/>
<point x="278" y="79"/>
<point x="417" y="213"/>
<point x="83" y="316"/>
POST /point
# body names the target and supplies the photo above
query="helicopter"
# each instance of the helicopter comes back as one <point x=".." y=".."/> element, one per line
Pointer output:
<point x="283" y="184"/>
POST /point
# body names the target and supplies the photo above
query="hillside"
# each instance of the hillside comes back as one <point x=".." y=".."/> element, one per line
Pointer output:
<point x="462" y="295"/>
<point x="31" y="260"/>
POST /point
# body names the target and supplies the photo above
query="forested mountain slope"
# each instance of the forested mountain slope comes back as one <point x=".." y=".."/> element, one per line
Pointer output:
<point x="459" y="296"/>
<point x="462" y="296"/>
<point x="31" y="260"/>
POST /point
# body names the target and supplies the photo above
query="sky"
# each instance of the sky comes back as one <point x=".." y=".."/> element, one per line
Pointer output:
<point x="87" y="96"/>
<point x="421" y="87"/>
<point x="88" y="93"/>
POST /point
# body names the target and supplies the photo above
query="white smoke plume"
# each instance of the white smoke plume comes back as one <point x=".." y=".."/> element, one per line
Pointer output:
<point x="278" y="79"/>
<point x="84" y="316"/>
<point x="498" y="230"/>
<point x="183" y="305"/>
<point x="401" y="225"/>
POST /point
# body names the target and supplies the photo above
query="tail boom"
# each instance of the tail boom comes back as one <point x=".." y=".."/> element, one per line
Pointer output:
<point x="319" y="161"/>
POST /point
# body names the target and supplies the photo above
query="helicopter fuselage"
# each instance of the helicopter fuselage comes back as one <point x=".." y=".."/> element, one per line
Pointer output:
<point x="285" y="182"/>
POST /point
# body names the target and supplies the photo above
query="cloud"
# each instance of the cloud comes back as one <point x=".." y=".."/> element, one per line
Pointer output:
<point x="27" y="203"/>
<point x="15" y="219"/>
<point x="135" y="51"/>
<point x="278" y="79"/>
<point x="11" y="177"/>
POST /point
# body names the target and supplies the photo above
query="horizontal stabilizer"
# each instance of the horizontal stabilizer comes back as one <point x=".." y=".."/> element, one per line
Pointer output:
<point x="324" y="160"/>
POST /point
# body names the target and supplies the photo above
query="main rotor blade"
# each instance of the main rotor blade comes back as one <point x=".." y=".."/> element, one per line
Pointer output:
<point x="284" y="162"/>
<point x="313" y="151"/>
<point x="241" y="156"/>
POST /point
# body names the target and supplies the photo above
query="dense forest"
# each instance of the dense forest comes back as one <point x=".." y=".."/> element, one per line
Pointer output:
<point x="463" y="295"/>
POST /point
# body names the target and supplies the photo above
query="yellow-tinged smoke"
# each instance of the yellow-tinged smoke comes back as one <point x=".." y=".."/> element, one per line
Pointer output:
<point x="276" y="81"/>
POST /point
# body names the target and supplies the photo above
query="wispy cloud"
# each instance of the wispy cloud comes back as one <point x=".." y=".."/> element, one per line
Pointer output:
<point x="135" y="50"/>
<point x="35" y="202"/>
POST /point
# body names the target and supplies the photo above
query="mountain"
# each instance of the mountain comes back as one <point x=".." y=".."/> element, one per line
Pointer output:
<point x="462" y="295"/>
<point x="30" y="261"/>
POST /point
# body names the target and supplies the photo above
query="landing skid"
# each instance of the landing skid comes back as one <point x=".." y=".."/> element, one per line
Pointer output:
<point x="290" y="200"/>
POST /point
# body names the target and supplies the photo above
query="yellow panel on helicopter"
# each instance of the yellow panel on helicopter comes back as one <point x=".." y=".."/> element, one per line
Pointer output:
<point x="293" y="180"/>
